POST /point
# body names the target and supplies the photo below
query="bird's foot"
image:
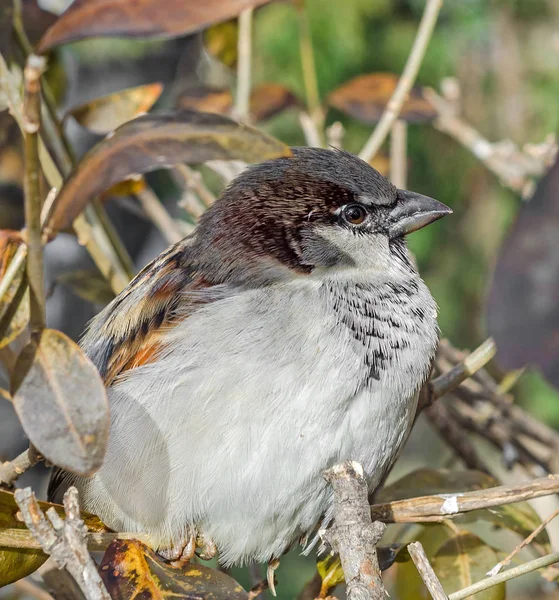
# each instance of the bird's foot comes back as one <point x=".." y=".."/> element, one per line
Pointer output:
<point x="181" y="552"/>
<point x="205" y="547"/>
<point x="270" y="575"/>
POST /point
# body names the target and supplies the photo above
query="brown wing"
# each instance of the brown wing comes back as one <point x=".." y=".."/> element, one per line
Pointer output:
<point x="128" y="332"/>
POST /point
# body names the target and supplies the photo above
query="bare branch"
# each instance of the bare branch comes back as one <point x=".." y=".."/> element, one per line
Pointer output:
<point x="528" y="540"/>
<point x="244" y="46"/>
<point x="513" y="166"/>
<point x="353" y="535"/>
<point x="490" y="582"/>
<point x="446" y="506"/>
<point x="64" y="541"/>
<point x="159" y="216"/>
<point x="398" y="154"/>
<point x="10" y="471"/>
<point x="406" y="81"/>
<point x="34" y="69"/>
<point x="310" y="131"/>
<point x="426" y="572"/>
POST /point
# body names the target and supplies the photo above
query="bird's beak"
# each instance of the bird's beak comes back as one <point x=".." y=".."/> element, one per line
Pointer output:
<point x="414" y="211"/>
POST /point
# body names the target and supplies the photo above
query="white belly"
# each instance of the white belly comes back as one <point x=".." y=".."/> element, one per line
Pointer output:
<point x="231" y="431"/>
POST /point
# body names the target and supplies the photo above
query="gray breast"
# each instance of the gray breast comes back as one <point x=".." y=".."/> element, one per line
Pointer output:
<point x="387" y="320"/>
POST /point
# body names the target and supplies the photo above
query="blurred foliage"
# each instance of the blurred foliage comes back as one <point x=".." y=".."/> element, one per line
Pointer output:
<point x="502" y="54"/>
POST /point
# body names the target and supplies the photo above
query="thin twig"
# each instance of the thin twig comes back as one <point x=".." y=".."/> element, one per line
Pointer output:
<point x="455" y="436"/>
<point x="310" y="131"/>
<point x="490" y="582"/>
<point x="244" y="51"/>
<point x="515" y="168"/>
<point x="528" y="540"/>
<point x="406" y="81"/>
<point x="64" y="540"/>
<point x="193" y="180"/>
<point x="309" y="71"/>
<point x="353" y="535"/>
<point x="446" y="506"/>
<point x="16" y="266"/>
<point x="258" y="589"/>
<point x="32" y="186"/>
<point x="158" y="214"/>
<point x="10" y="471"/>
<point x="398" y="154"/>
<point x="426" y="572"/>
<point x="450" y="380"/>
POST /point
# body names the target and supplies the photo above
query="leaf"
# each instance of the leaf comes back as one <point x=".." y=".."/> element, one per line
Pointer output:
<point x="61" y="402"/>
<point x="365" y="98"/>
<point x="519" y="517"/>
<point x="457" y="557"/>
<point x="522" y="308"/>
<point x="269" y="99"/>
<point x="131" y="570"/>
<point x="14" y="304"/>
<point x="109" y="112"/>
<point x="16" y="563"/>
<point x="206" y="99"/>
<point x="144" y="18"/>
<point x="221" y="42"/>
<point x="88" y="284"/>
<point x="153" y="142"/>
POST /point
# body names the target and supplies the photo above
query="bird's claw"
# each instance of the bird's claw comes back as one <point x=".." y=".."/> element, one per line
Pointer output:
<point x="272" y="566"/>
<point x="181" y="552"/>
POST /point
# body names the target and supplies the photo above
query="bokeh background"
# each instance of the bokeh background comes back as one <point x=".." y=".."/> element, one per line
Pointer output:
<point x="503" y="53"/>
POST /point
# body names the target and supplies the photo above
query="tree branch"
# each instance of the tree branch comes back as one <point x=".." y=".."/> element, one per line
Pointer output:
<point x="406" y="81"/>
<point x="244" y="48"/>
<point x="10" y="471"/>
<point x="32" y="185"/>
<point x="64" y="541"/>
<point x="490" y="582"/>
<point x="426" y="572"/>
<point x="353" y="535"/>
<point x="446" y="506"/>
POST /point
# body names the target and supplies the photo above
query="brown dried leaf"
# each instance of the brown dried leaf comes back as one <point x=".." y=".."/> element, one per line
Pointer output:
<point x="131" y="570"/>
<point x="142" y="18"/>
<point x="365" y="98"/>
<point x="269" y="99"/>
<point x="61" y="402"/>
<point x="206" y="99"/>
<point x="16" y="563"/>
<point x="14" y="304"/>
<point x="523" y="303"/>
<point x="153" y="142"/>
<point x="109" y="112"/>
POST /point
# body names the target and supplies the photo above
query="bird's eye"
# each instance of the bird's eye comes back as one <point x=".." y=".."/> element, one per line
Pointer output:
<point x="354" y="214"/>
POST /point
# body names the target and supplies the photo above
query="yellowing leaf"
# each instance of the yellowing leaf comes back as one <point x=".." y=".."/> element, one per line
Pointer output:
<point x="105" y="114"/>
<point x="131" y="570"/>
<point x="14" y="304"/>
<point x="221" y="42"/>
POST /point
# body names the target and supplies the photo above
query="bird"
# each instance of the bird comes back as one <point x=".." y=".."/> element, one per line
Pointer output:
<point x="290" y="332"/>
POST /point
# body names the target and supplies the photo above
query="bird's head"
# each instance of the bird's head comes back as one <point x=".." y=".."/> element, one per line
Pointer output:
<point x="319" y="209"/>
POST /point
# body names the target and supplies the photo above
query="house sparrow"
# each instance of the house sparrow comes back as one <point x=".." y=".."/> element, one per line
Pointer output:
<point x="289" y="332"/>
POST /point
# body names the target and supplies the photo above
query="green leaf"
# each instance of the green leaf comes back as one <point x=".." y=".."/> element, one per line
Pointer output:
<point x="459" y="559"/>
<point x="131" y="570"/>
